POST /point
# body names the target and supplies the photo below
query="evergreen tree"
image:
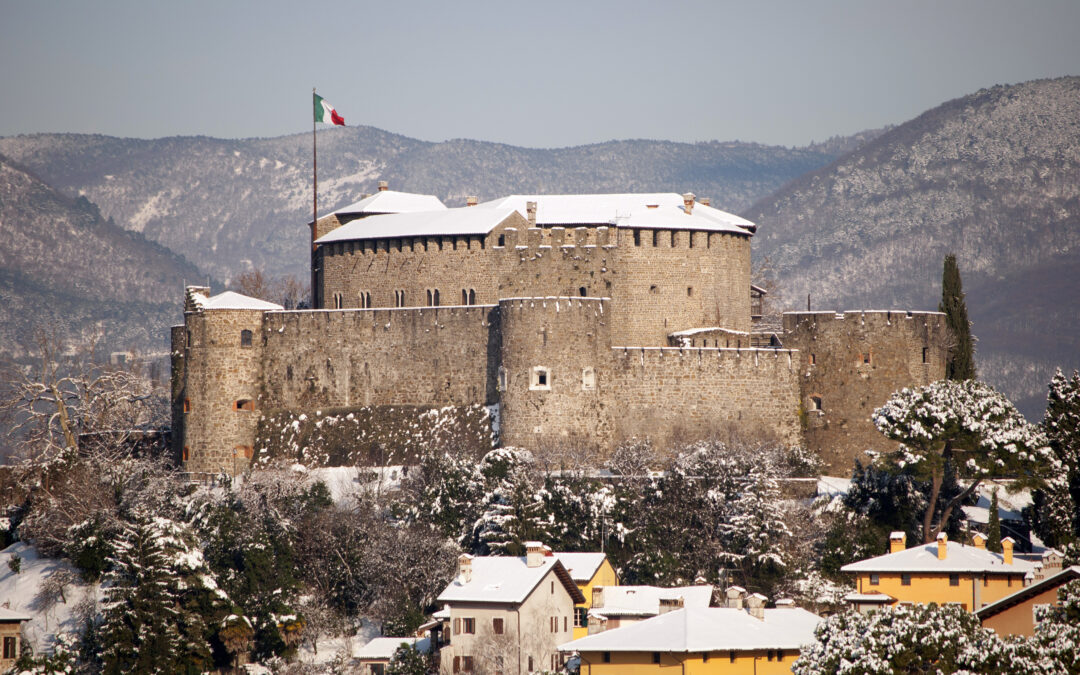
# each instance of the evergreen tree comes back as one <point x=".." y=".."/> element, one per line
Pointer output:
<point x="961" y="363"/>
<point x="1055" y="513"/>
<point x="993" y="541"/>
<point x="407" y="661"/>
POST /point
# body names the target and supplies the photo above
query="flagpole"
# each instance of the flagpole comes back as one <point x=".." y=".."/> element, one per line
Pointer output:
<point x="314" y="195"/>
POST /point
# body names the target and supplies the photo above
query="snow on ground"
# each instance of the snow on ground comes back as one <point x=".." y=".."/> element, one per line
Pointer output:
<point x="344" y="482"/>
<point x="331" y="649"/>
<point x="19" y="591"/>
<point x="832" y="486"/>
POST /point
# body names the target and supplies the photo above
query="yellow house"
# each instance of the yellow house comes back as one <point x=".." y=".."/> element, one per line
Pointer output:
<point x="588" y="570"/>
<point x="944" y="572"/>
<point x="618" y="606"/>
<point x="701" y="641"/>
<point x="1015" y="614"/>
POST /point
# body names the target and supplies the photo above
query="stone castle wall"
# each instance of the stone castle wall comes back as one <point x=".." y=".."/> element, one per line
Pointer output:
<point x="671" y="394"/>
<point x="661" y="280"/>
<point x="850" y="364"/>
<point x="346" y="358"/>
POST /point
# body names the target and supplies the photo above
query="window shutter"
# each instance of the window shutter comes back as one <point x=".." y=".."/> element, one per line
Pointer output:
<point x="457" y="664"/>
<point x="457" y="628"/>
<point x="497" y="625"/>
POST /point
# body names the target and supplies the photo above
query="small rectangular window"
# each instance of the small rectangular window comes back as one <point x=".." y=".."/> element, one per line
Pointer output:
<point x="925" y="354"/>
<point x="954" y="579"/>
<point x="10" y="652"/>
<point x="581" y="617"/>
<point x="245" y="338"/>
<point x="905" y="579"/>
<point x="467" y="664"/>
<point x="637" y="237"/>
<point x="875" y="579"/>
<point x="606" y="657"/>
<point x="731" y="656"/>
<point x="497" y="626"/>
<point x="468" y="626"/>
<point x="656" y="657"/>
<point x="187" y="405"/>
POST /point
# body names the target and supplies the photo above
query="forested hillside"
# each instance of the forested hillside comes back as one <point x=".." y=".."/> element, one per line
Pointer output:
<point x="993" y="177"/>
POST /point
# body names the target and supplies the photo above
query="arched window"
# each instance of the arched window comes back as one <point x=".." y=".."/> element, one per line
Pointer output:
<point x="435" y="296"/>
<point x="588" y="379"/>
<point x="429" y="298"/>
<point x="472" y="296"/>
<point x="464" y="296"/>
<point x="245" y="338"/>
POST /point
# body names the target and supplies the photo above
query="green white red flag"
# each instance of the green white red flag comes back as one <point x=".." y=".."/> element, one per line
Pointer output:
<point x="325" y="113"/>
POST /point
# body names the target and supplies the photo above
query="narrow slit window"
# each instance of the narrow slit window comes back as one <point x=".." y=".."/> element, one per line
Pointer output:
<point x="815" y="403"/>
<point x="472" y="296"/>
<point x="187" y="405"/>
<point x="637" y="237"/>
<point x="244" y="404"/>
<point x="925" y="354"/>
<point x="582" y="291"/>
<point x="435" y="298"/>
<point x="502" y="240"/>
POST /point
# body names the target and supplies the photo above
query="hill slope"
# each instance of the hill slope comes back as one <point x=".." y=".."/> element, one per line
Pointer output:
<point x="62" y="263"/>
<point x="225" y="203"/>
<point x="993" y="177"/>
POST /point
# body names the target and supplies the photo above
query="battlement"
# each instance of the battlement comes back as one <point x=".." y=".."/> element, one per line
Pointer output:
<point x="873" y="318"/>
<point x="279" y="320"/>
<point x="704" y="356"/>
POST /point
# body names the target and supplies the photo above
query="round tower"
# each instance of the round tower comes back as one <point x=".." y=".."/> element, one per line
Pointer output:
<point x="555" y="357"/>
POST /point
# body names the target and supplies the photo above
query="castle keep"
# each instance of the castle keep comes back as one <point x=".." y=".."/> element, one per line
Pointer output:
<point x="574" y="319"/>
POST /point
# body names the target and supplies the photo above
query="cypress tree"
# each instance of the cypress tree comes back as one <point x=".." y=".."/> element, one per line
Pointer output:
<point x="993" y="538"/>
<point x="961" y="363"/>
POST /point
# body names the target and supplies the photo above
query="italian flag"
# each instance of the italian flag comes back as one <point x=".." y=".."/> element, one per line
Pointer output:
<point x="325" y="113"/>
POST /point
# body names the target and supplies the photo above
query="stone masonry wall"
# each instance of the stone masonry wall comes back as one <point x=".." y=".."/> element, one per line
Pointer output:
<point x="220" y="376"/>
<point x="347" y="358"/>
<point x="850" y="364"/>
<point x="671" y="394"/>
<point x="569" y="339"/>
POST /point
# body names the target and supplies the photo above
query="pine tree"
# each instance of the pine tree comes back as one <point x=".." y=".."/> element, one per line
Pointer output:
<point x="1055" y="513"/>
<point x="993" y="542"/>
<point x="961" y="363"/>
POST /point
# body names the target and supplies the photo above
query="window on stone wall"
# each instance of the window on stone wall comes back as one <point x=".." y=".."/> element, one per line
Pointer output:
<point x="435" y="298"/>
<point x="186" y="454"/>
<point x="502" y="240"/>
<point x="655" y="238"/>
<point x="813" y="359"/>
<point x="588" y="379"/>
<point x="245" y="338"/>
<point x="690" y="238"/>
<point x="925" y="354"/>
<point x="187" y="405"/>
<point x="399" y="298"/>
<point x="429" y="298"/>
<point x="541" y="379"/>
<point x="502" y="378"/>
<point x="689" y="291"/>
<point x="245" y="451"/>
<point x="245" y="404"/>
<point x="815" y="403"/>
<point x="673" y="239"/>
<point x="472" y="296"/>
<point x="866" y="358"/>
<point x="637" y="237"/>
<point x="583" y="291"/>
<point x="654" y="289"/>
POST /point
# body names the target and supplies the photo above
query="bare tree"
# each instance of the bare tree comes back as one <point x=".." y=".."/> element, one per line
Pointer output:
<point x="289" y="291"/>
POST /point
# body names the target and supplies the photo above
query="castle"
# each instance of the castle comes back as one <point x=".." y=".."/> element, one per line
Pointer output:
<point x="575" y="319"/>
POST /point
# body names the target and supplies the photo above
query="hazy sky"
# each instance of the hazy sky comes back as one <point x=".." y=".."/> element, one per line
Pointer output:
<point x="541" y="74"/>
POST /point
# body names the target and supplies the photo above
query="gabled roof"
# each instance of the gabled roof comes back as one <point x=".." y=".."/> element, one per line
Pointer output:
<point x="581" y="566"/>
<point x="661" y="210"/>
<point x="698" y="629"/>
<point x="1063" y="577"/>
<point x="645" y="600"/>
<point x="500" y="579"/>
<point x="392" y="201"/>
<point x="447" y="222"/>
<point x="958" y="558"/>
<point x="231" y="300"/>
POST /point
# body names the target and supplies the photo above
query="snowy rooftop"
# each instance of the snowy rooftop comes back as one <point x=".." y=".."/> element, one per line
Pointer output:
<point x="663" y="210"/>
<point x="868" y="597"/>
<point x="384" y="647"/>
<point x="958" y="558"/>
<point x="645" y="600"/>
<point x="446" y="222"/>
<point x="231" y="300"/>
<point x="581" y="566"/>
<point x="1064" y="576"/>
<point x="699" y="629"/>
<point x="392" y="201"/>
<point x="10" y="615"/>
<point x="504" y="579"/>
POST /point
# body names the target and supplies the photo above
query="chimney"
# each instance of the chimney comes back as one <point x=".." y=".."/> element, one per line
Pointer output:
<point x="383" y="186"/>
<point x="897" y="541"/>
<point x="734" y="596"/>
<point x="534" y="554"/>
<point x="979" y="541"/>
<point x="1007" y="550"/>
<point x="597" y="597"/>
<point x="755" y="604"/>
<point x="464" y="563"/>
<point x="365" y="195"/>
<point x="530" y="213"/>
<point x="472" y="200"/>
<point x="942" y="545"/>
<point x="705" y="201"/>
<point x="688" y="202"/>
<point x="785" y="603"/>
<point x="670" y="604"/>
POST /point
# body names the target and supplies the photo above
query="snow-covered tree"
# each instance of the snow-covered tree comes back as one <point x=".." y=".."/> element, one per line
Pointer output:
<point x="1057" y="630"/>
<point x="1055" y="514"/>
<point x="407" y="661"/>
<point x="969" y="423"/>
<point x="916" y="639"/>
<point x="513" y="509"/>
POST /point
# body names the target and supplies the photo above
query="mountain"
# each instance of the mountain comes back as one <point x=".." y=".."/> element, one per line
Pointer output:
<point x="228" y="204"/>
<point x="62" y="264"/>
<point x="993" y="177"/>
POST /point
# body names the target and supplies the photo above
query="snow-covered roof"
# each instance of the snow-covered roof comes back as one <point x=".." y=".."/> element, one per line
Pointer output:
<point x="505" y="579"/>
<point x="868" y="597"/>
<point x="662" y="210"/>
<point x="958" y="558"/>
<point x="699" y="629"/>
<point x="581" y="566"/>
<point x="231" y="300"/>
<point x="1064" y="576"/>
<point x="384" y="647"/>
<point x="447" y="222"/>
<point x="392" y="201"/>
<point x="11" y="615"/>
<point x="645" y="600"/>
